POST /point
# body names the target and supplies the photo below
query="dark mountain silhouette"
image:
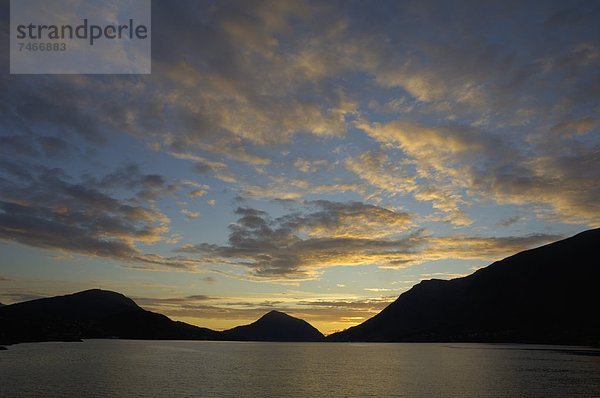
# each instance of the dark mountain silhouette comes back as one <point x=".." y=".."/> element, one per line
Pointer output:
<point x="90" y="314"/>
<point x="105" y="314"/>
<point x="544" y="295"/>
<point x="275" y="326"/>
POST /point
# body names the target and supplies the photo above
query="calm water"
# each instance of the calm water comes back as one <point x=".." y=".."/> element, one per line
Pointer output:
<point x="121" y="368"/>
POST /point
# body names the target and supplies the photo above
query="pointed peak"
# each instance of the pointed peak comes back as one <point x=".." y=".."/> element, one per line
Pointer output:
<point x="276" y="326"/>
<point x="276" y="314"/>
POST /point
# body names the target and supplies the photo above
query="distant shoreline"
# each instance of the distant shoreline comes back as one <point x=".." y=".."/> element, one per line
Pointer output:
<point x="578" y="349"/>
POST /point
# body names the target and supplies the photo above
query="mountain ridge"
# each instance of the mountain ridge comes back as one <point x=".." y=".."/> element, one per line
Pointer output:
<point x="541" y="295"/>
<point x="93" y="313"/>
<point x="97" y="313"/>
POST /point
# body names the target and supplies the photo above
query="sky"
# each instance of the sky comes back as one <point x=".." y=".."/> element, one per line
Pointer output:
<point x="319" y="158"/>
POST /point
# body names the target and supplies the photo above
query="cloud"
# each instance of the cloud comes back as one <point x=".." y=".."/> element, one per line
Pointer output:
<point x="198" y="189"/>
<point x="506" y="222"/>
<point x="19" y="297"/>
<point x="155" y="302"/>
<point x="15" y="144"/>
<point x="190" y="213"/>
<point x="196" y="193"/>
<point x="487" y="79"/>
<point x="488" y="248"/>
<point x="44" y="208"/>
<point x="575" y="127"/>
<point x="203" y="165"/>
<point x="436" y="151"/>
<point x="242" y="87"/>
<point x="380" y="171"/>
<point x="399" y="178"/>
<point x="443" y="275"/>
<point x="461" y="162"/>
<point x="348" y="220"/>
<point x="255" y="74"/>
<point x="308" y="166"/>
<point x="34" y="107"/>
<point x="285" y="188"/>
<point x="295" y="245"/>
<point x="241" y="80"/>
<point x="300" y="244"/>
<point x="149" y="187"/>
<point x="566" y="183"/>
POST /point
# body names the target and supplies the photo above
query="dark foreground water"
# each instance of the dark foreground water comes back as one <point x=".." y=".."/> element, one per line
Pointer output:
<point x="121" y="368"/>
